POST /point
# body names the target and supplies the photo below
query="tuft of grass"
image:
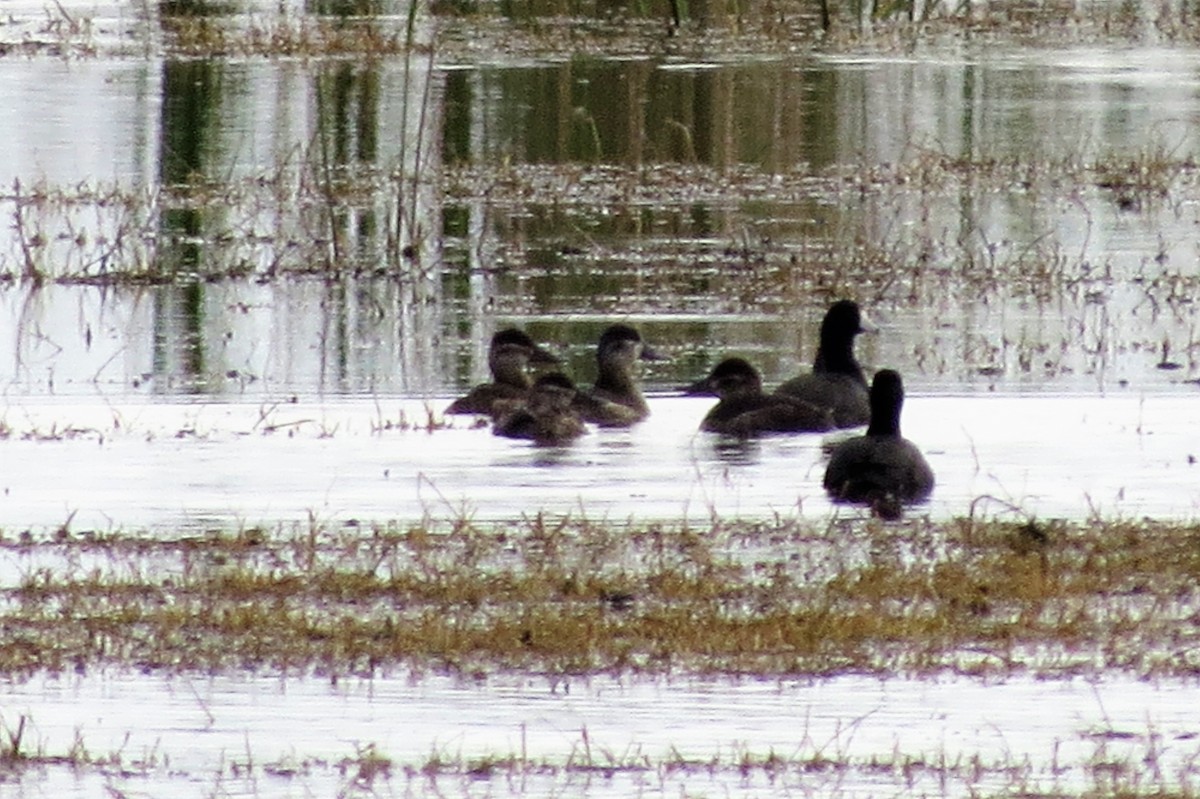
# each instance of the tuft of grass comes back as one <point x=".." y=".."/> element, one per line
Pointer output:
<point x="10" y="747"/>
<point x="366" y="767"/>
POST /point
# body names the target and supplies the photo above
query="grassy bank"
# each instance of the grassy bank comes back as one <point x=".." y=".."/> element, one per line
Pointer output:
<point x="574" y="597"/>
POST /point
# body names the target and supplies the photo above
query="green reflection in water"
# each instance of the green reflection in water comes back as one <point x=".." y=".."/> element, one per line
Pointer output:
<point x="196" y="8"/>
<point x="190" y="117"/>
<point x="190" y="124"/>
<point x="349" y="8"/>
<point x="348" y="111"/>
<point x="644" y="112"/>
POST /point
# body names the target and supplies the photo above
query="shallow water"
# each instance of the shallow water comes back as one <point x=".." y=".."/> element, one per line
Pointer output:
<point x="228" y="464"/>
<point x="846" y="736"/>
<point x="188" y="341"/>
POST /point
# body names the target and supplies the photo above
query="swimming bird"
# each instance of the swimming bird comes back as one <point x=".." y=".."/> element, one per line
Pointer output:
<point x="546" y="417"/>
<point x="745" y="410"/>
<point x="509" y="356"/>
<point x="616" y="399"/>
<point x="836" y="380"/>
<point x="882" y="468"/>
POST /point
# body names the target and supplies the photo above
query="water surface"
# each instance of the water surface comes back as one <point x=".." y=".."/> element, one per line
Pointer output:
<point x="237" y="290"/>
<point x="846" y="736"/>
<point x="229" y="464"/>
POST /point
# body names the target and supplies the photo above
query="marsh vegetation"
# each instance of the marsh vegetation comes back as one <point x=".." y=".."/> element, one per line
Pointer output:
<point x="569" y="602"/>
<point x="569" y="598"/>
<point x="304" y="208"/>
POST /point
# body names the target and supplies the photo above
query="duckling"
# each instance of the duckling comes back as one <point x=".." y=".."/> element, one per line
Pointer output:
<point x="509" y="355"/>
<point x="546" y="418"/>
<point x="745" y="410"/>
<point x="882" y="468"/>
<point x="836" y="381"/>
<point x="616" y="400"/>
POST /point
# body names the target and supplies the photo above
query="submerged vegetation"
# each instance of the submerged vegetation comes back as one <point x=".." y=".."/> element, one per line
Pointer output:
<point x="563" y="597"/>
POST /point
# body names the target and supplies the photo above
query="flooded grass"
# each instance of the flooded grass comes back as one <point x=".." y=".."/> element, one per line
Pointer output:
<point x="650" y="627"/>
<point x="301" y="36"/>
<point x="568" y="597"/>
<point x="467" y="32"/>
<point x="591" y="767"/>
<point x="278" y="224"/>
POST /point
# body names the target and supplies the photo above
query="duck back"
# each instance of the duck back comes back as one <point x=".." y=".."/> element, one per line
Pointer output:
<point x="763" y="414"/>
<point x="845" y="396"/>
<point x="867" y="469"/>
<point x="881" y="468"/>
<point x="485" y="399"/>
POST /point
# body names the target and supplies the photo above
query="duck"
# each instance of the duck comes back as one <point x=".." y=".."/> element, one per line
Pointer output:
<point x="616" y="399"/>
<point x="509" y="356"/>
<point x="546" y="417"/>
<point x="882" y="468"/>
<point x="744" y="409"/>
<point x="836" y="381"/>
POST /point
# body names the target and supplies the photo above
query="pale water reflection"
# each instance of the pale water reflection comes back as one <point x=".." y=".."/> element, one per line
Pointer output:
<point x="194" y="466"/>
<point x="599" y="737"/>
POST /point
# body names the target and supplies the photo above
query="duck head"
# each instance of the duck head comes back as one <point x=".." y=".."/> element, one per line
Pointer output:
<point x="552" y="393"/>
<point x="511" y="351"/>
<point x="887" y="398"/>
<point x="730" y="377"/>
<point x="835" y="352"/>
<point x="623" y="344"/>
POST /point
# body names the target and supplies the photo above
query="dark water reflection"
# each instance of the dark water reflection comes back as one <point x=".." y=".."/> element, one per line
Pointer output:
<point x="976" y="284"/>
<point x="781" y="114"/>
<point x="773" y="115"/>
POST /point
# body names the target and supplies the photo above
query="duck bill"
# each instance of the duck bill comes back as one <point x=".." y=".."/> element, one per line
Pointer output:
<point x="648" y="353"/>
<point x="543" y="356"/>
<point x="701" y="388"/>
<point x="865" y="325"/>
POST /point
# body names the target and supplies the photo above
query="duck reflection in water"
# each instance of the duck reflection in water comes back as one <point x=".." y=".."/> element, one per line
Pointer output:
<point x="745" y="410"/>
<point x="546" y="417"/>
<point x="882" y="468"/>
<point x="509" y="356"/>
<point x="836" y="381"/>
<point x="616" y="399"/>
<point x="737" y="451"/>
